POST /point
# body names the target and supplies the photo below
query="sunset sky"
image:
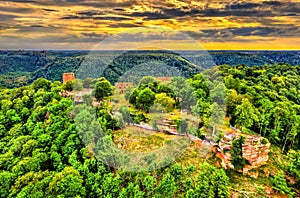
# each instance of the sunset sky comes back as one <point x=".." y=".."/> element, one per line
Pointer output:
<point x="215" y="24"/>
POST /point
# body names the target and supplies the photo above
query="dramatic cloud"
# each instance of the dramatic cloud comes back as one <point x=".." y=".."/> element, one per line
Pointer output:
<point x="214" y="23"/>
<point x="109" y="18"/>
<point x="242" y="34"/>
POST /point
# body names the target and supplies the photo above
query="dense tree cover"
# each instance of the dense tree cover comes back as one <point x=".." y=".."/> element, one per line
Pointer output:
<point x="180" y="93"/>
<point x="51" y="64"/>
<point x="130" y="59"/>
<point x="265" y="100"/>
<point x="203" y="96"/>
<point x="210" y="182"/>
<point x="144" y="96"/>
<point x="42" y="153"/>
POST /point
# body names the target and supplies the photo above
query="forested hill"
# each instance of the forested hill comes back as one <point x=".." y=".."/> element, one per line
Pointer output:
<point x="45" y="148"/>
<point x="18" y="68"/>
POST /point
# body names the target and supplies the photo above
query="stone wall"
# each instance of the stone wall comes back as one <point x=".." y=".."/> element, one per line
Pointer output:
<point x="164" y="79"/>
<point x="167" y="125"/>
<point x="122" y="86"/>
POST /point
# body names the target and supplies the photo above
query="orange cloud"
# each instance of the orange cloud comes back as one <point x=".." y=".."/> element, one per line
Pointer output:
<point x="242" y="24"/>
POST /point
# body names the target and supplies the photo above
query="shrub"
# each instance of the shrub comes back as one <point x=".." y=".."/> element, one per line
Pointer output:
<point x="279" y="184"/>
<point x="265" y="141"/>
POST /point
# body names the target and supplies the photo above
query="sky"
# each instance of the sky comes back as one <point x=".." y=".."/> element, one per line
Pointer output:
<point x="166" y="24"/>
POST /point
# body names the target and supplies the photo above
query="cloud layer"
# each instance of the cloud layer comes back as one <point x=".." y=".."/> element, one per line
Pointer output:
<point x="68" y="24"/>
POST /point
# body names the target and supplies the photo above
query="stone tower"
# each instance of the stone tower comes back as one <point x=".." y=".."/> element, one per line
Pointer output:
<point x="67" y="77"/>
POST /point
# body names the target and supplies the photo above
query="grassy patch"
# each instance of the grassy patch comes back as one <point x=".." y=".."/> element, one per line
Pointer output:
<point x="135" y="139"/>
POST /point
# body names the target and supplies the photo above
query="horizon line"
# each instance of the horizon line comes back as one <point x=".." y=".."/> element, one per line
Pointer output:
<point x="86" y="50"/>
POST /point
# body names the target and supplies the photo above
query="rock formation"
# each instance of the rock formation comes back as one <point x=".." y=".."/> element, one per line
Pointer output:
<point x="255" y="150"/>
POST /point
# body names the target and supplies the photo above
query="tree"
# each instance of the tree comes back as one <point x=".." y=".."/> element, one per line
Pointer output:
<point x="163" y="88"/>
<point x="148" y="81"/>
<point x="186" y="96"/>
<point x="281" y="117"/>
<point x="245" y="114"/>
<point x="133" y="96"/>
<point x="210" y="182"/>
<point x="88" y="127"/>
<point x="166" y="187"/>
<point x="41" y="83"/>
<point x="217" y="93"/>
<point x="200" y="83"/>
<point x="148" y="184"/>
<point x="264" y="114"/>
<point x="89" y="83"/>
<point x="78" y="85"/>
<point x="217" y="116"/>
<point x="131" y="191"/>
<point x="103" y="89"/>
<point x="127" y="92"/>
<point x="67" y="183"/>
<point x="145" y="99"/>
<point x="6" y="181"/>
<point x="165" y="100"/>
<point x="232" y="99"/>
<point x="238" y="160"/>
<point x="69" y="85"/>
<point x="111" y="185"/>
<point x="126" y="114"/>
<point x="32" y="184"/>
<point x="293" y="131"/>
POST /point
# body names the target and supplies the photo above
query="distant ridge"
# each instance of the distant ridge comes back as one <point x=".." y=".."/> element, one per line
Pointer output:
<point x="21" y="67"/>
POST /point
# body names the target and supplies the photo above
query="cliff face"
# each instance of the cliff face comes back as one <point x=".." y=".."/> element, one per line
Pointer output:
<point x="255" y="150"/>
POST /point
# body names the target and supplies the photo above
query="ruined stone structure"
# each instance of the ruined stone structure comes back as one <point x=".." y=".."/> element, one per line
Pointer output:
<point x="254" y="149"/>
<point x="78" y="95"/>
<point x="164" y="79"/>
<point x="122" y="86"/>
<point x="167" y="125"/>
<point x="67" y="77"/>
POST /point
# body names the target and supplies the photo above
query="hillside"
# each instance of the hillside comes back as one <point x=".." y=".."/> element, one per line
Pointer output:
<point x="52" y="146"/>
<point x="18" y="68"/>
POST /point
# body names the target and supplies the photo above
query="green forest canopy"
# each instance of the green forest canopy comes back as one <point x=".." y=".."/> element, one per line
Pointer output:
<point x="42" y="154"/>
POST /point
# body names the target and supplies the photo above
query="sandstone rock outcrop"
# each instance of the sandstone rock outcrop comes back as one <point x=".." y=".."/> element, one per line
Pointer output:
<point x="255" y="150"/>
